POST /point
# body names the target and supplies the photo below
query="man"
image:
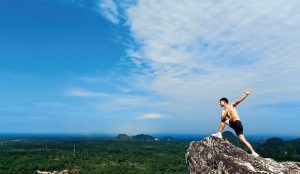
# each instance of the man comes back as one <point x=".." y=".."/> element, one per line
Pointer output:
<point x="234" y="122"/>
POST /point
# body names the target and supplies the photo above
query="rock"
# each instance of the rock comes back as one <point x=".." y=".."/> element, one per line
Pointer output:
<point x="213" y="155"/>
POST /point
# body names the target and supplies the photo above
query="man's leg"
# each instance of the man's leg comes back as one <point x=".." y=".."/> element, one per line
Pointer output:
<point x="243" y="139"/>
<point x="222" y="125"/>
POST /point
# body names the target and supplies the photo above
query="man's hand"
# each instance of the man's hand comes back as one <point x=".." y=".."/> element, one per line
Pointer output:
<point x="248" y="91"/>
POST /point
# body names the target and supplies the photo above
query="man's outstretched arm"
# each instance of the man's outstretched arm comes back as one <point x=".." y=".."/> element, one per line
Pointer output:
<point x="241" y="98"/>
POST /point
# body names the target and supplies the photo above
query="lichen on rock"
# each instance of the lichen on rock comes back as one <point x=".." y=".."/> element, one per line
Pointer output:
<point x="213" y="155"/>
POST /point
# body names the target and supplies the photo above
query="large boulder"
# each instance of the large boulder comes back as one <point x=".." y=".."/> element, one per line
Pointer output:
<point x="213" y="155"/>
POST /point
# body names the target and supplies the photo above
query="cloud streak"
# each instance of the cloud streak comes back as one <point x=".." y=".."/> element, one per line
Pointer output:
<point x="149" y="116"/>
<point x="199" y="50"/>
<point x="191" y="53"/>
<point x="79" y="92"/>
<point x="109" y="9"/>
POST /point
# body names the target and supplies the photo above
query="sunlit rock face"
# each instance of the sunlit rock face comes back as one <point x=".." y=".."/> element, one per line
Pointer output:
<point x="213" y="155"/>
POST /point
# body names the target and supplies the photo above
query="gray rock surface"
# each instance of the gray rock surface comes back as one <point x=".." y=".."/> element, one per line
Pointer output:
<point x="213" y="155"/>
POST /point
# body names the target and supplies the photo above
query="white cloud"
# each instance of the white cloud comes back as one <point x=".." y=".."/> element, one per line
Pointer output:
<point x="149" y="116"/>
<point x="109" y="9"/>
<point x="190" y="53"/>
<point x="78" y="92"/>
<point x="199" y="51"/>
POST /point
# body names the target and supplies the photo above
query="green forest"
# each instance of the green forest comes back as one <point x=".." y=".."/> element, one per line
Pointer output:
<point x="124" y="155"/>
<point x="91" y="155"/>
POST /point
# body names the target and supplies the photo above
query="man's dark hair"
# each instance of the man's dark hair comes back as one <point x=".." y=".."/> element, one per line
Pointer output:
<point x="224" y="99"/>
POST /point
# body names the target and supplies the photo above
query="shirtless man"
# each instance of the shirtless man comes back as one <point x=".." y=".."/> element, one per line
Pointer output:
<point x="234" y="122"/>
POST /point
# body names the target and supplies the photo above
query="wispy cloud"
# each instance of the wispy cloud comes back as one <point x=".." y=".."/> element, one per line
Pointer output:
<point x="108" y="82"/>
<point x="188" y="54"/>
<point x="149" y="116"/>
<point x="79" y="92"/>
<point x="109" y="9"/>
<point x="198" y="51"/>
<point x="191" y="53"/>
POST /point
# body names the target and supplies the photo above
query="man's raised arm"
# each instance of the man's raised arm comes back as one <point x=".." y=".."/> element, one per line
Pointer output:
<point x="241" y="98"/>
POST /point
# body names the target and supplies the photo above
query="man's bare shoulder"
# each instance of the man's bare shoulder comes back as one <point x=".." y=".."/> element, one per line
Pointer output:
<point x="232" y="104"/>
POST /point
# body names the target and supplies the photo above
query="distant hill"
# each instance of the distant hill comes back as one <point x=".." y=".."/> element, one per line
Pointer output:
<point x="139" y="137"/>
<point x="280" y="150"/>
<point x="274" y="147"/>
<point x="143" y="137"/>
<point x="233" y="139"/>
<point x="122" y="137"/>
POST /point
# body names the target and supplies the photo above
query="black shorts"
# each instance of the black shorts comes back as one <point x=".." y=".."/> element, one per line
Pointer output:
<point x="236" y="126"/>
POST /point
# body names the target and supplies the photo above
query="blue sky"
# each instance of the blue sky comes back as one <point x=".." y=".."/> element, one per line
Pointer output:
<point x="147" y="66"/>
